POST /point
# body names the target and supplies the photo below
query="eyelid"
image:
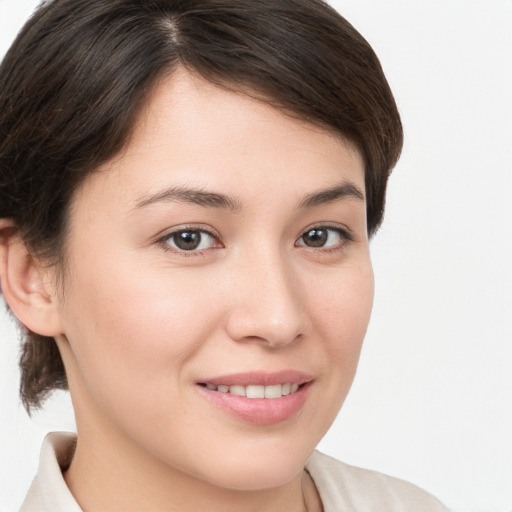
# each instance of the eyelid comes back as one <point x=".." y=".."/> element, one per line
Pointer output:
<point x="346" y="232"/>
<point x="163" y="239"/>
<point x="343" y="231"/>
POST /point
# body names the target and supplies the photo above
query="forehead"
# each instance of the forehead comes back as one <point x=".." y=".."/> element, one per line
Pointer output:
<point x="193" y="133"/>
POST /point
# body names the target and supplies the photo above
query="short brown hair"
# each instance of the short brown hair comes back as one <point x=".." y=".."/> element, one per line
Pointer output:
<point x="74" y="80"/>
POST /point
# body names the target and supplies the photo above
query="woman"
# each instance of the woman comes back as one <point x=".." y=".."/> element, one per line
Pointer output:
<point x="187" y="192"/>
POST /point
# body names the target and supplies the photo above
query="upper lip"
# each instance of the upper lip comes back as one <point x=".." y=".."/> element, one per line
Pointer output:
<point x="259" y="378"/>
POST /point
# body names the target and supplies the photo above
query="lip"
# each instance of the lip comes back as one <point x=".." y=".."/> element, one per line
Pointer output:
<point x="259" y="411"/>
<point x="261" y="378"/>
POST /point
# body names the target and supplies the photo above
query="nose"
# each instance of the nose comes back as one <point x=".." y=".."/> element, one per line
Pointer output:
<point x="268" y="306"/>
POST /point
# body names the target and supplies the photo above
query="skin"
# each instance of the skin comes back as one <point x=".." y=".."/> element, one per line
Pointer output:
<point x="140" y="322"/>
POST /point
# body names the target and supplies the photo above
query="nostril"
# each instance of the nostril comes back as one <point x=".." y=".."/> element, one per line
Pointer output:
<point x="276" y="343"/>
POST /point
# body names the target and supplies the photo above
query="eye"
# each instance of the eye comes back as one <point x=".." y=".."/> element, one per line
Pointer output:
<point x="190" y="240"/>
<point x="323" y="236"/>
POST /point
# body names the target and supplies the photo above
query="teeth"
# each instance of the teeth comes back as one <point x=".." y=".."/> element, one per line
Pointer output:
<point x="237" y="390"/>
<point x="273" y="391"/>
<point x="257" y="391"/>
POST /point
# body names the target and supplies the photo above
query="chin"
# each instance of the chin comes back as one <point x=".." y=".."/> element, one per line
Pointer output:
<point x="251" y="478"/>
<point x="267" y="468"/>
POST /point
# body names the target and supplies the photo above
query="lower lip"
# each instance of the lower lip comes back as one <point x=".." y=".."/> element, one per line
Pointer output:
<point x="259" y="411"/>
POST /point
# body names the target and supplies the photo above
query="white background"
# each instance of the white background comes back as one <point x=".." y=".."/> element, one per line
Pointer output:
<point x="432" y="402"/>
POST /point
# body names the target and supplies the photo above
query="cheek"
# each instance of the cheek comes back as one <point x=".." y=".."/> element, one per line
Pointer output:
<point x="346" y="304"/>
<point x="346" y="307"/>
<point x="131" y="330"/>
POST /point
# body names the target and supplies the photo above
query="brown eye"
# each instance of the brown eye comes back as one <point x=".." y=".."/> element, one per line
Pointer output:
<point x="190" y="240"/>
<point x="320" y="237"/>
<point x="316" y="237"/>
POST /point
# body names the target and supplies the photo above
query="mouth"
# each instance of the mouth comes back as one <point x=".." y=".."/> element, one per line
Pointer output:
<point x="257" y="397"/>
<point x="255" y="390"/>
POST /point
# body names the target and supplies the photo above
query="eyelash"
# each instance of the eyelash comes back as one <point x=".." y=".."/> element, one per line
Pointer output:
<point x="344" y="234"/>
<point x="164" y="241"/>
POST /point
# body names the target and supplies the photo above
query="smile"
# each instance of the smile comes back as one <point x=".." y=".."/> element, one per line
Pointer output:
<point x="256" y="390"/>
<point x="260" y="398"/>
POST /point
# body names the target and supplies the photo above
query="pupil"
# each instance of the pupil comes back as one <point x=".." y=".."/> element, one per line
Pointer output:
<point x="315" y="237"/>
<point x="187" y="240"/>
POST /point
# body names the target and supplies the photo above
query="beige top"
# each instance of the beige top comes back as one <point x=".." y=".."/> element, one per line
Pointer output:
<point x="342" y="487"/>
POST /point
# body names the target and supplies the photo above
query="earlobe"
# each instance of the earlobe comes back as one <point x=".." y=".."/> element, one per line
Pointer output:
<point x="25" y="284"/>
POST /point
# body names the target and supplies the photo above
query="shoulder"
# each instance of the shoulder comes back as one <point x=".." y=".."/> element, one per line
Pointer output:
<point x="349" y="488"/>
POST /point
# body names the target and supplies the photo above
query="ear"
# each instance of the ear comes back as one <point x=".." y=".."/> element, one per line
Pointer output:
<point x="26" y="285"/>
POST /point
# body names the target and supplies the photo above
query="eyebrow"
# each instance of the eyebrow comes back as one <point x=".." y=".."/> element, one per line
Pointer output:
<point x="194" y="196"/>
<point x="345" y="189"/>
<point x="222" y="201"/>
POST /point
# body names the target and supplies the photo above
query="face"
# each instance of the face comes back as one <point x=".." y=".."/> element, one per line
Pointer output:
<point x="223" y="253"/>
